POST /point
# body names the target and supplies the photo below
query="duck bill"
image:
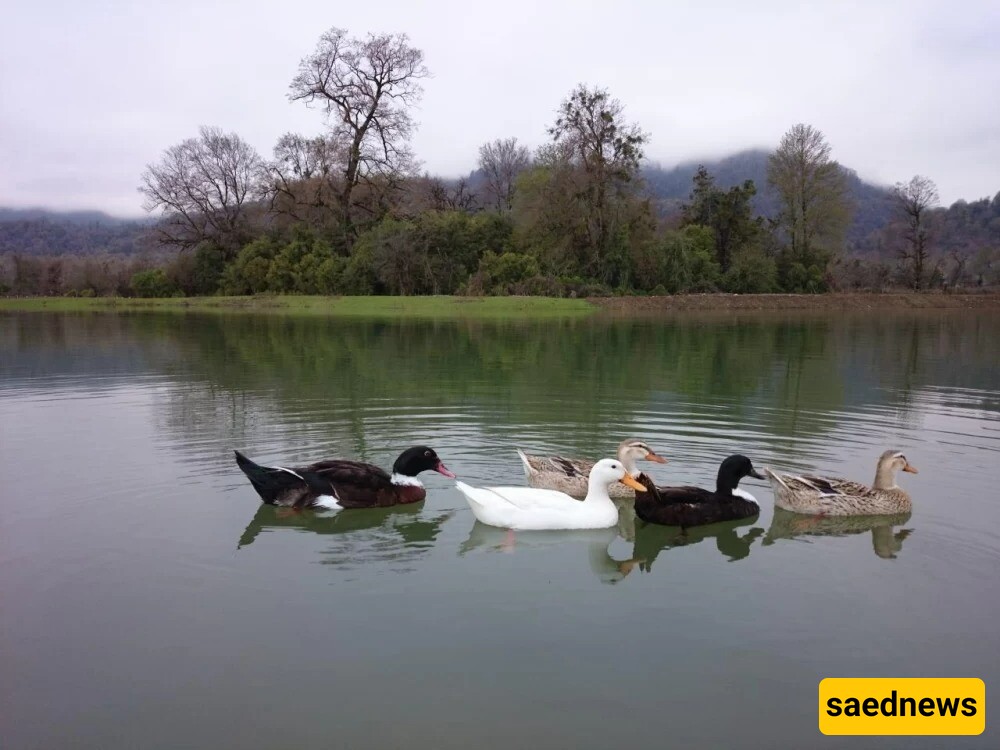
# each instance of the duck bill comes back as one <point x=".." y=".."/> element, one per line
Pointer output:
<point x="757" y="474"/>
<point x="910" y="469"/>
<point x="442" y="469"/>
<point x="630" y="482"/>
<point x="656" y="459"/>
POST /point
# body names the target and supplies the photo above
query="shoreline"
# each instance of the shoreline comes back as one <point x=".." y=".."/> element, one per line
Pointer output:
<point x="848" y="302"/>
<point x="515" y="308"/>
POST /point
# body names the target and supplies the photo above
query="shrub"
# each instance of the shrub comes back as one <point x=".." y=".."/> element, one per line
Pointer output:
<point x="502" y="273"/>
<point x="152" y="283"/>
<point x="751" y="272"/>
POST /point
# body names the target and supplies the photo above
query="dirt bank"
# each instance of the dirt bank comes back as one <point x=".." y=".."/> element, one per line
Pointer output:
<point x="846" y="302"/>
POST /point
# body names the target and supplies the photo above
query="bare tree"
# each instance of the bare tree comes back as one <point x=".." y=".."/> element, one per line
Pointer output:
<point x="456" y="197"/>
<point x="502" y="161"/>
<point x="813" y="192"/>
<point x="366" y="87"/>
<point x="304" y="180"/>
<point x="203" y="186"/>
<point x="914" y="201"/>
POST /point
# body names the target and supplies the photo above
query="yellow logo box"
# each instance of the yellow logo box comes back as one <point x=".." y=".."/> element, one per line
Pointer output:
<point x="904" y="705"/>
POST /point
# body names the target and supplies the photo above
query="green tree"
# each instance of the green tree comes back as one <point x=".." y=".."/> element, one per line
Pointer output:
<point x="814" y="205"/>
<point x="677" y="261"/>
<point x="591" y="135"/>
<point x="248" y="273"/>
<point x="728" y="214"/>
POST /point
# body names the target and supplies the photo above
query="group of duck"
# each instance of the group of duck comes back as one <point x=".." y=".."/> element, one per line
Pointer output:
<point x="556" y="484"/>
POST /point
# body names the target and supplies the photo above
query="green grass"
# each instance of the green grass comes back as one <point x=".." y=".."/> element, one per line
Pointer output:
<point x="495" y="308"/>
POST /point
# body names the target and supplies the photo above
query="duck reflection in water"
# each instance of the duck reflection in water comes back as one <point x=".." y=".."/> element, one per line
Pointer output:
<point x="386" y="533"/>
<point x="651" y="539"/>
<point x="886" y="542"/>
<point x="491" y="539"/>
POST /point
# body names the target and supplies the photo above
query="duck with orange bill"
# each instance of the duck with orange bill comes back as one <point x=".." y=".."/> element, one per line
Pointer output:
<point x="571" y="475"/>
<point x="525" y="508"/>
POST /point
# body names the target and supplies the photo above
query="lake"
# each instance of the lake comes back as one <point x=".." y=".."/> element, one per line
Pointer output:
<point x="150" y="600"/>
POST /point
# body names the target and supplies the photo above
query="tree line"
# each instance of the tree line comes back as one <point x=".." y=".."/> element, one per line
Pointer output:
<point x="347" y="212"/>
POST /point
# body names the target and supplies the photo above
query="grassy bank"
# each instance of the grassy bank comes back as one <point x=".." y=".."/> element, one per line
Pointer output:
<point x="511" y="308"/>
<point x="366" y="307"/>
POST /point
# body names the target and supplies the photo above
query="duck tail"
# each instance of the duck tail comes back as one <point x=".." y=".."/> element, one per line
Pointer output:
<point x="528" y="470"/>
<point x="471" y="494"/>
<point x="270" y="482"/>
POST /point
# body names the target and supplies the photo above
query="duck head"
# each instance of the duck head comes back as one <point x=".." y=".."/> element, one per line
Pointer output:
<point x="419" y="458"/>
<point x="732" y="470"/>
<point x="632" y="450"/>
<point x="888" y="464"/>
<point x="609" y="470"/>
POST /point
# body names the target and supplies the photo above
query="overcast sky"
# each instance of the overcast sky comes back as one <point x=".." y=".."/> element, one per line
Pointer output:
<point x="92" y="91"/>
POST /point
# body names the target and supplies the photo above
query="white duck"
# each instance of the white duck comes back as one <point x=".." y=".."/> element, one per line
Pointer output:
<point x="526" y="508"/>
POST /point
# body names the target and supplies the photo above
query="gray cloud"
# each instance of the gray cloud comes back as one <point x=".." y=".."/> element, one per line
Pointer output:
<point x="91" y="92"/>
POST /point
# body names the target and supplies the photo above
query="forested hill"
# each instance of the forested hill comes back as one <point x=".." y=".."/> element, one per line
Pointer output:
<point x="872" y="204"/>
<point x="36" y="231"/>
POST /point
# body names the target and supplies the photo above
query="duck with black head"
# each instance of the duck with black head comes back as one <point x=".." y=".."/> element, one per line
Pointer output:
<point x="337" y="484"/>
<point x="694" y="506"/>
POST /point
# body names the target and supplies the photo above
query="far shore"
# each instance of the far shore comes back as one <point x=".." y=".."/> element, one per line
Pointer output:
<point x="515" y="308"/>
<point x="832" y="301"/>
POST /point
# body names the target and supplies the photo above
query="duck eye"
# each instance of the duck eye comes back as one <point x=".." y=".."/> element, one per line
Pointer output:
<point x="428" y="453"/>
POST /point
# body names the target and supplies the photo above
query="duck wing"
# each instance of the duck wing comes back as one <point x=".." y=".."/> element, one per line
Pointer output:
<point x="570" y="467"/>
<point x="356" y="484"/>
<point x="670" y="495"/>
<point x="343" y="470"/>
<point x="689" y="506"/>
<point x="687" y="495"/>
<point x="686" y="515"/>
<point x="824" y="486"/>
<point x="519" y="498"/>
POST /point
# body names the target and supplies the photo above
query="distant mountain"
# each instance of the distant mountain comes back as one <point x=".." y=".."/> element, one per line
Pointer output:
<point x="40" y="231"/>
<point x="68" y="217"/>
<point x="872" y="205"/>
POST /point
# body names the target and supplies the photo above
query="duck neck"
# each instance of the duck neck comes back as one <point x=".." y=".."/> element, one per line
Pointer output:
<point x="403" y="480"/>
<point x="885" y="478"/>
<point x="597" y="492"/>
<point x="628" y="461"/>
<point x="725" y="484"/>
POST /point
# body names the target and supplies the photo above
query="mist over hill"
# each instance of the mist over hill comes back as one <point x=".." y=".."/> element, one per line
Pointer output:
<point x="871" y="203"/>
<point x="42" y="231"/>
<point x="68" y="217"/>
<point x="966" y="226"/>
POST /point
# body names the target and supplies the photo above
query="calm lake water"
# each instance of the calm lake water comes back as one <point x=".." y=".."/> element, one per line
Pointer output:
<point x="149" y="600"/>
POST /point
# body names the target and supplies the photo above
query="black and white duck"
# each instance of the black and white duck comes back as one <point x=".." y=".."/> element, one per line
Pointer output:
<point x="337" y="484"/>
